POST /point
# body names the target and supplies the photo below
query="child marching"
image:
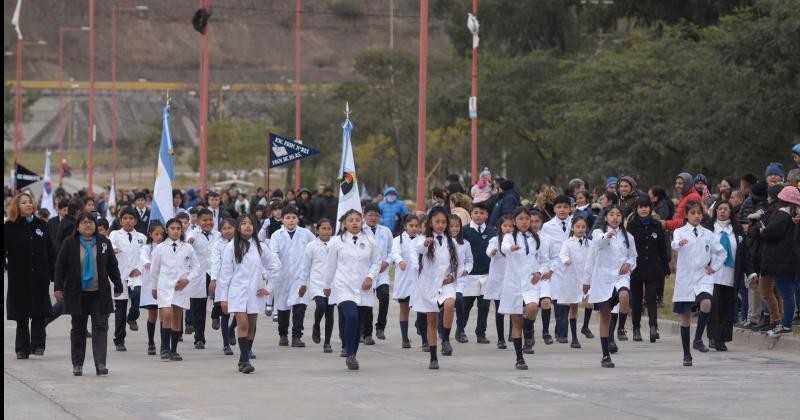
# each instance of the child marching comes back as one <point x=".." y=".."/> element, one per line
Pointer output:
<point x="405" y="274"/>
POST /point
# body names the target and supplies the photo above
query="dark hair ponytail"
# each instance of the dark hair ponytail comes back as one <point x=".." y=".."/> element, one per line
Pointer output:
<point x="429" y="234"/>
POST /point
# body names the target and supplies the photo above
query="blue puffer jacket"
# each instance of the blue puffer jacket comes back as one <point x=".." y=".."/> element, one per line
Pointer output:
<point x="391" y="211"/>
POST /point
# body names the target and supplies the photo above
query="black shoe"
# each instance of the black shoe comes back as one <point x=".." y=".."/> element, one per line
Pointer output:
<point x="658" y="336"/>
<point x="352" y="363"/>
<point x="699" y="346"/>
<point x="121" y="347"/>
<point x="297" y="342"/>
<point x="252" y="355"/>
<point x="315" y="334"/>
<point x="501" y="344"/>
<point x="22" y="355"/>
<point x="712" y="344"/>
<point x="88" y="334"/>
<point x="547" y="338"/>
<point x="227" y="351"/>
<point x="232" y="336"/>
<point x="368" y="341"/>
<point x="462" y="337"/>
<point x="425" y="348"/>
<point x="521" y="365"/>
<point x="622" y="335"/>
<point x="101" y="369"/>
<point x="151" y="350"/>
<point x="215" y="324"/>
<point x="637" y="334"/>
<point x="434" y="365"/>
<point x="180" y="338"/>
<point x="509" y="336"/>
<point x="587" y="332"/>
<point x="246" y="368"/>
<point x="164" y="355"/>
<point x="188" y="330"/>
<point x="175" y="357"/>
<point x="447" y="349"/>
<point x="483" y="340"/>
<point x="199" y="345"/>
<point x="133" y="325"/>
<point x="38" y="352"/>
<point x="612" y="347"/>
<point x="406" y="344"/>
<point x="575" y="345"/>
<point x="562" y="340"/>
<point x="380" y="335"/>
<point x="653" y="334"/>
<point x="343" y="353"/>
<point x="77" y="371"/>
<point x="284" y="341"/>
<point x="606" y="362"/>
<point x="326" y="348"/>
<point x="687" y="360"/>
<point x="527" y="349"/>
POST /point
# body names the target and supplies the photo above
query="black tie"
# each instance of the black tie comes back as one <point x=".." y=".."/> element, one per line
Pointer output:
<point x="563" y="226"/>
<point x="355" y="239"/>
<point x="439" y="238"/>
<point x="374" y="229"/>
<point x="581" y="241"/>
<point x="291" y="234"/>
<point x="480" y="229"/>
<point x="130" y="237"/>
<point x="206" y="233"/>
<point x="527" y="248"/>
<point x="695" y="231"/>
<point x="174" y="247"/>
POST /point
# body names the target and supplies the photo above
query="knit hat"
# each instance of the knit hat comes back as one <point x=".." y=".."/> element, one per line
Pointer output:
<point x="796" y="149"/>
<point x="759" y="191"/>
<point x="507" y="185"/>
<point x="701" y="178"/>
<point x="611" y="181"/>
<point x="790" y="194"/>
<point x="687" y="182"/>
<point x="485" y="172"/>
<point x="774" y="191"/>
<point x="775" y="168"/>
<point x="629" y="179"/>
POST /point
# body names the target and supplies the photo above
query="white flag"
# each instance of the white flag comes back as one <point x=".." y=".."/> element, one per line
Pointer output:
<point x="47" y="190"/>
<point x="473" y="26"/>
<point x="15" y="19"/>
<point x="112" y="202"/>
<point x="348" y="183"/>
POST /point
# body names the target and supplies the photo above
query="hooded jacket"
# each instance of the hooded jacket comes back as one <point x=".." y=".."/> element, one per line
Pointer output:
<point x="391" y="211"/>
<point x="688" y="194"/>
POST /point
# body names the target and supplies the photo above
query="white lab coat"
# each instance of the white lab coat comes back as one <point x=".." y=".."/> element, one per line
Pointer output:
<point x="700" y="251"/>
<point x="724" y="276"/>
<point x="429" y="291"/>
<point x="203" y="248"/>
<point x="555" y="232"/>
<point x="383" y="238"/>
<point x="497" y="270"/>
<point x="608" y="256"/>
<point x="570" y="288"/>
<point x="145" y="258"/>
<point x="238" y="283"/>
<point x="289" y="250"/>
<point x="170" y="266"/>
<point x="217" y="250"/>
<point x="312" y="270"/>
<point x="348" y="265"/>
<point x="465" y="256"/>
<point x="517" y="289"/>
<point x="128" y="258"/>
<point x="403" y="251"/>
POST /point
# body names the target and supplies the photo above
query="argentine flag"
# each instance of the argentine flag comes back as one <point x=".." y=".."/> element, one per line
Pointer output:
<point x="47" y="190"/>
<point x="348" y="183"/>
<point x="162" y="209"/>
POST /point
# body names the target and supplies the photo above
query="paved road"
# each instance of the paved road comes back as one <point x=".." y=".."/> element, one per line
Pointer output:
<point x="479" y="381"/>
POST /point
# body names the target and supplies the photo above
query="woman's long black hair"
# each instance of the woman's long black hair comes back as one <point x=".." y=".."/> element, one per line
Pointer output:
<point x="450" y="244"/>
<point x="517" y="212"/>
<point x="241" y="245"/>
<point x="737" y="227"/>
<point x="604" y="224"/>
<point x="173" y="221"/>
<point x="460" y="237"/>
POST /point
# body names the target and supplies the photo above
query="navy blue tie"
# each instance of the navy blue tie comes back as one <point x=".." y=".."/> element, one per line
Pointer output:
<point x="527" y="248"/>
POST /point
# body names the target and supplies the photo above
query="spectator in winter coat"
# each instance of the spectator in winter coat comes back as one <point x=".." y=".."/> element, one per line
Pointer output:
<point x="662" y="205"/>
<point x="483" y="189"/>
<point x="774" y="174"/>
<point x="684" y="187"/>
<point x="506" y="204"/>
<point x="628" y="195"/>
<point x="392" y="210"/>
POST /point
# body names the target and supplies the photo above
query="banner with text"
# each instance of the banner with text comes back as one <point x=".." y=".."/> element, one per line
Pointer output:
<point x="283" y="150"/>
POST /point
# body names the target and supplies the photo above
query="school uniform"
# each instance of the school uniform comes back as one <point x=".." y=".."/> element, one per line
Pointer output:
<point x="351" y="259"/>
<point x="478" y="237"/>
<point x="429" y="291"/>
<point x="726" y="282"/>
<point x="130" y="245"/>
<point x="289" y="248"/>
<point x="497" y="270"/>
<point x="578" y="252"/>
<point x="608" y="256"/>
<point x="556" y="231"/>
<point x="692" y="282"/>
<point x="238" y="282"/>
<point x="465" y="255"/>
<point x="143" y="219"/>
<point x="312" y="274"/>
<point x="404" y="281"/>
<point x="522" y="264"/>
<point x="203" y="244"/>
<point x="217" y="249"/>
<point x="219" y="214"/>
<point x="173" y="261"/>
<point x="383" y="239"/>
<point x="146" y="300"/>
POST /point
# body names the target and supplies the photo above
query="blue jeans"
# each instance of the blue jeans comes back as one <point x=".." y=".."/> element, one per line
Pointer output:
<point x="787" y="288"/>
<point x="352" y="317"/>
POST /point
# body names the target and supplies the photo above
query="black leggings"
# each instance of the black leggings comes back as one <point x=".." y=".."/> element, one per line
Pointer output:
<point x="499" y="319"/>
<point x="648" y="291"/>
<point x="323" y="309"/>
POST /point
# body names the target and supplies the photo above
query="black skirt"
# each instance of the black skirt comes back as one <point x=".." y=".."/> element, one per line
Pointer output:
<point x="612" y="301"/>
<point x="723" y="313"/>
<point x="682" y="307"/>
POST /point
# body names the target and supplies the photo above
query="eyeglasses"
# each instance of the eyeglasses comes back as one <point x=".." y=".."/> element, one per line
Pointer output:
<point x="88" y="222"/>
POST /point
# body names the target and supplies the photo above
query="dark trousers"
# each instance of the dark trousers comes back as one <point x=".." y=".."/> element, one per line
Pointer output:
<point x="298" y="315"/>
<point x="197" y="310"/>
<point x="323" y="309"/>
<point x="422" y="326"/>
<point x="31" y="335"/>
<point x="56" y="311"/>
<point x="77" y="338"/>
<point x="561" y="313"/>
<point x="351" y="317"/>
<point x="382" y="292"/>
<point x="461" y="321"/>
<point x="216" y="311"/>
<point x="723" y="313"/>
<point x="649" y="292"/>
<point x="283" y="322"/>
<point x="135" y="294"/>
<point x="499" y="320"/>
<point x="483" y="313"/>
<point x="120" y="313"/>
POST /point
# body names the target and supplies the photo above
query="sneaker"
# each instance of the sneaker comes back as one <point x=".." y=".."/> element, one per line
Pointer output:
<point x="483" y="340"/>
<point x="575" y="345"/>
<point x="175" y="357"/>
<point x="461" y="337"/>
<point x="521" y="365"/>
<point x="763" y="329"/>
<point x="151" y="350"/>
<point x="687" y="360"/>
<point x="227" y="351"/>
<point x="133" y="326"/>
<point x="326" y="348"/>
<point x="501" y="344"/>
<point x="352" y="363"/>
<point x="38" y="352"/>
<point x="368" y="341"/>
<point x="380" y="335"/>
<point x="587" y="332"/>
<point x="779" y="330"/>
<point x="164" y="355"/>
<point x="215" y="324"/>
<point x="275" y="318"/>
<point x="637" y="334"/>
<point x="121" y="347"/>
<point x="562" y="340"/>
<point x="283" y="341"/>
<point x="406" y="344"/>
<point x="606" y="362"/>
<point x="246" y="368"/>
<point x="425" y="348"/>
<point x="700" y="346"/>
<point x="622" y="335"/>
<point x="547" y="338"/>
<point x="527" y="349"/>
<point x="447" y="349"/>
<point x="199" y="345"/>
<point x="315" y="334"/>
<point x="297" y="342"/>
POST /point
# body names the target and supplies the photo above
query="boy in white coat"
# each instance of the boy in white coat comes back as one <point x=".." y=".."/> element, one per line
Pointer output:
<point x="556" y="231"/>
<point x="202" y="240"/>
<point x="383" y="238"/>
<point x="127" y="243"/>
<point x="700" y="255"/>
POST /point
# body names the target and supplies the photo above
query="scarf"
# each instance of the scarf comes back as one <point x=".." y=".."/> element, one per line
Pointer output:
<point x="646" y="220"/>
<point x="726" y="244"/>
<point x="28" y="219"/>
<point x="87" y="277"/>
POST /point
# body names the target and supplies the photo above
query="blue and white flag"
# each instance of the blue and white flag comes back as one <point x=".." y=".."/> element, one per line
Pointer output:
<point x="162" y="209"/>
<point x="348" y="183"/>
<point x="112" y="201"/>
<point x="47" y="189"/>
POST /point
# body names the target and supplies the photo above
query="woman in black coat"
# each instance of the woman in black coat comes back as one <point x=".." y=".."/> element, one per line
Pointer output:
<point x="652" y="264"/>
<point x="726" y="290"/>
<point x="29" y="259"/>
<point x="86" y="263"/>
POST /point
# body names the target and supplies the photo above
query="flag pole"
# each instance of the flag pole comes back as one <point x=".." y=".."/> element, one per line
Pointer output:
<point x="423" y="97"/>
<point x="297" y="91"/>
<point x="474" y="91"/>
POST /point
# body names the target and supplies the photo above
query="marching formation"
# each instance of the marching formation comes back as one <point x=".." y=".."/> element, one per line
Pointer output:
<point x="607" y="252"/>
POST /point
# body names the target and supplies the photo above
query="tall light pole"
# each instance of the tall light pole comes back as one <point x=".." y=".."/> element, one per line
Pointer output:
<point x="61" y="33"/>
<point x="473" y="100"/>
<point x="90" y="157"/>
<point x="114" y="11"/>
<point x="423" y="97"/>
<point x="297" y="90"/>
<point x="204" y="4"/>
